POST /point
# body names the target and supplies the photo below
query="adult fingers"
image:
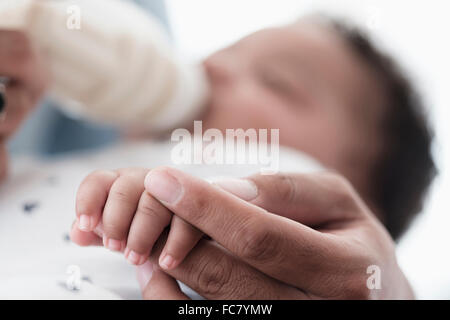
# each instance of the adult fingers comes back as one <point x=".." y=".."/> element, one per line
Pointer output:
<point x="215" y="273"/>
<point x="277" y="246"/>
<point x="312" y="199"/>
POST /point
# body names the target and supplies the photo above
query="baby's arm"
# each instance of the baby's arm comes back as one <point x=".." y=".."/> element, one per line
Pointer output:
<point x="131" y="220"/>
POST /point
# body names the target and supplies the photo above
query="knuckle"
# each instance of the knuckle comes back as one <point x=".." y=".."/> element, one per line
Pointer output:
<point x="115" y="229"/>
<point x="258" y="241"/>
<point x="286" y="187"/>
<point x="124" y="189"/>
<point x="214" y="276"/>
<point x="151" y="208"/>
<point x="85" y="192"/>
<point x="198" y="207"/>
<point x="119" y="194"/>
<point x="349" y="279"/>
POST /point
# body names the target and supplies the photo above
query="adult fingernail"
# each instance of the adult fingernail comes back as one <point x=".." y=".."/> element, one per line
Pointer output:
<point x="242" y="188"/>
<point x="144" y="274"/>
<point x="85" y="223"/>
<point x="163" y="186"/>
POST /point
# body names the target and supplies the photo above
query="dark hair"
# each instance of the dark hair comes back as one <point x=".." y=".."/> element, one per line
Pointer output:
<point x="405" y="169"/>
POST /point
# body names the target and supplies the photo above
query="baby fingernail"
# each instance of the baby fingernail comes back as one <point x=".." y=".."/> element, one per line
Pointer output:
<point x="99" y="230"/>
<point x="134" y="257"/>
<point x="112" y="244"/>
<point x="242" y="188"/>
<point x="84" y="223"/>
<point x="167" y="262"/>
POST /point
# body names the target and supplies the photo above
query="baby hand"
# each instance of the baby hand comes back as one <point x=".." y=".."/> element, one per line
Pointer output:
<point x="115" y="205"/>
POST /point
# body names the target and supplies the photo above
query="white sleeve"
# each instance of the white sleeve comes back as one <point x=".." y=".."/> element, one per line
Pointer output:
<point x="117" y="66"/>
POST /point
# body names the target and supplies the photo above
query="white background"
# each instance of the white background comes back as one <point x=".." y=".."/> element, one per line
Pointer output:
<point x="416" y="32"/>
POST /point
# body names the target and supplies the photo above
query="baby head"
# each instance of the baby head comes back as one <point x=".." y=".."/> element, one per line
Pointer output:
<point x="334" y="96"/>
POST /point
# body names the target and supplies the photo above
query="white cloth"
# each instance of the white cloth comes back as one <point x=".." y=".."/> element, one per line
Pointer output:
<point x="117" y="67"/>
<point x="37" y="210"/>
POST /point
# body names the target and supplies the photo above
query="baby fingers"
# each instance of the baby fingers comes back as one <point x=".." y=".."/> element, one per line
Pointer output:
<point x="91" y="198"/>
<point x="149" y="222"/>
<point x="120" y="208"/>
<point x="182" y="238"/>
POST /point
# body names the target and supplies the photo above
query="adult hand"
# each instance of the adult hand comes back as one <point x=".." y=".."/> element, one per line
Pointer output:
<point x="28" y="80"/>
<point x="257" y="254"/>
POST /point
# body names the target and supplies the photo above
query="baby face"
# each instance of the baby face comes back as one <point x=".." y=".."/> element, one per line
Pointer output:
<point x="304" y="80"/>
